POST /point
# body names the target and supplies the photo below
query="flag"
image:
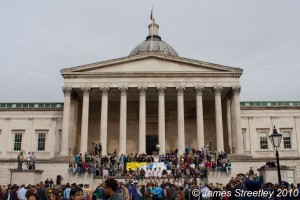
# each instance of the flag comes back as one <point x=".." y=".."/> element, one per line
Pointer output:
<point x="151" y="16"/>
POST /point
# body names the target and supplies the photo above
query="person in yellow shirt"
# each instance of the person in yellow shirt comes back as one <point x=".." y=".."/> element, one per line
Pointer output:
<point x="88" y="191"/>
<point x="20" y="160"/>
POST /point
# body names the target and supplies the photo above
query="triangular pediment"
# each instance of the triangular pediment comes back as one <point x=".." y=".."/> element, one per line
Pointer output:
<point x="153" y="62"/>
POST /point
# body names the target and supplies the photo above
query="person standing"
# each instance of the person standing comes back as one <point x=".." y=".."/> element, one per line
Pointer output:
<point x="67" y="192"/>
<point x="100" y="149"/>
<point x="157" y="148"/>
<point x="96" y="149"/>
<point x="28" y="159"/>
<point x="20" y="160"/>
<point x="22" y="192"/>
<point x="32" y="160"/>
<point x="125" y="192"/>
<point x="110" y="187"/>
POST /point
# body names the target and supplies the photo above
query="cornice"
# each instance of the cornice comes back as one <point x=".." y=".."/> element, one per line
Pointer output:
<point x="150" y="55"/>
<point x="150" y="74"/>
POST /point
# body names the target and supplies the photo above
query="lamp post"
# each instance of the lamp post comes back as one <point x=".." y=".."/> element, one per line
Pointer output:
<point x="210" y="147"/>
<point x="276" y="140"/>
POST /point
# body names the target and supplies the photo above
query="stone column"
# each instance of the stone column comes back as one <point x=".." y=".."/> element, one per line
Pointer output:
<point x="200" y="126"/>
<point x="161" y="120"/>
<point x="123" y="120"/>
<point x="233" y="138"/>
<point x="180" y="118"/>
<point x="297" y="128"/>
<point x="237" y="115"/>
<point x="6" y="138"/>
<point x="103" y="121"/>
<point x="219" y="123"/>
<point x="85" y="120"/>
<point x="66" y="120"/>
<point x="228" y="111"/>
<point x="52" y="139"/>
<point x="142" y="121"/>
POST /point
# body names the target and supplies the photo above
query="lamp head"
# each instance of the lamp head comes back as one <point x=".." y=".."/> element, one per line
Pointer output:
<point x="275" y="139"/>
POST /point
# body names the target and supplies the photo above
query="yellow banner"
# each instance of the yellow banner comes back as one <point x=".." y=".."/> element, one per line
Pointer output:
<point x="135" y="165"/>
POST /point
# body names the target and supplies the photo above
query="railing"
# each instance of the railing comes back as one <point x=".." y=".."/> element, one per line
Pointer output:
<point x="270" y="103"/>
<point x="31" y="105"/>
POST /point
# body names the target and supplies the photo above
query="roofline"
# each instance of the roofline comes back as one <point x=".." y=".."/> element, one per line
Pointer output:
<point x="149" y="54"/>
<point x="59" y="105"/>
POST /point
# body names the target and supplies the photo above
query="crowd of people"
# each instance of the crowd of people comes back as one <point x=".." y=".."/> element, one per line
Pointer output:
<point x="177" y="181"/>
<point x="184" y="189"/>
<point x="45" y="191"/>
<point x="193" y="163"/>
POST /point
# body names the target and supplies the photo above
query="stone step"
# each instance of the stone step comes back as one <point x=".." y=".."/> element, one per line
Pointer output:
<point x="234" y="157"/>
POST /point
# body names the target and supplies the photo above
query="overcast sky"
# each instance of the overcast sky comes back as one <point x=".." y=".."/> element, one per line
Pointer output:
<point x="38" y="38"/>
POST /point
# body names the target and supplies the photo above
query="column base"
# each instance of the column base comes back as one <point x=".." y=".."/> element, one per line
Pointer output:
<point x="63" y="153"/>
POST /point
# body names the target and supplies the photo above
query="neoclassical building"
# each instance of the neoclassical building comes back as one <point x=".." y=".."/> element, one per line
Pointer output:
<point x="151" y="96"/>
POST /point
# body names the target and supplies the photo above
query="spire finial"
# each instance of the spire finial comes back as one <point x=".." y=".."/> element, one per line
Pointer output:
<point x="153" y="28"/>
<point x="151" y="15"/>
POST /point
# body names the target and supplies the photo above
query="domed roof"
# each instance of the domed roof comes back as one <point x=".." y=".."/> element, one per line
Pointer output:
<point x="153" y="43"/>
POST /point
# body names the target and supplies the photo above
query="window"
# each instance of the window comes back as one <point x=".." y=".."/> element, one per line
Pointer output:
<point x="18" y="141"/>
<point x="263" y="139"/>
<point x="41" y="143"/>
<point x="286" y="138"/>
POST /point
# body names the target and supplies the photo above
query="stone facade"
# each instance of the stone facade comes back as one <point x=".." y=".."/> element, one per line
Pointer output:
<point x="131" y="103"/>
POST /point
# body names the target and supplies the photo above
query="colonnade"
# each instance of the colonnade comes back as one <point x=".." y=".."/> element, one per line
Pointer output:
<point x="233" y="119"/>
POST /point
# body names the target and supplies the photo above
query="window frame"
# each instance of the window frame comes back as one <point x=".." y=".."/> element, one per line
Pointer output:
<point x="265" y="131"/>
<point x="38" y="132"/>
<point x="285" y="131"/>
<point x="19" y="132"/>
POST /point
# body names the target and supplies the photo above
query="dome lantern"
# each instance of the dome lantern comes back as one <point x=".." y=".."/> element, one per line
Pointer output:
<point x="153" y="43"/>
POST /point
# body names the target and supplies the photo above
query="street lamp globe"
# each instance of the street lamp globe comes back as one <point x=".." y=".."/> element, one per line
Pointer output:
<point x="275" y="139"/>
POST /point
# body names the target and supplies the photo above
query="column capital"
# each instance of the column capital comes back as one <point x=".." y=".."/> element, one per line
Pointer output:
<point x="161" y="90"/>
<point x="86" y="91"/>
<point x="104" y="91"/>
<point x="67" y="91"/>
<point x="180" y="90"/>
<point x="236" y="90"/>
<point x="142" y="90"/>
<point x="199" y="90"/>
<point x="218" y="90"/>
<point x="123" y="91"/>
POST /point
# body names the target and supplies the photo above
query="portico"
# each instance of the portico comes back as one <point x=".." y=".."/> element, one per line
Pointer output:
<point x="175" y="101"/>
<point x="188" y="110"/>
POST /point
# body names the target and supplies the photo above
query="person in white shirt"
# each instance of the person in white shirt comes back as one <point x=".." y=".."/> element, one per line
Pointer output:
<point x="32" y="159"/>
<point x="192" y="165"/>
<point x="147" y="173"/>
<point x="21" y="193"/>
<point x="205" y="193"/>
<point x="105" y="173"/>
<point x="155" y="173"/>
<point x="28" y="159"/>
